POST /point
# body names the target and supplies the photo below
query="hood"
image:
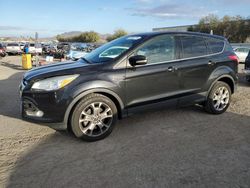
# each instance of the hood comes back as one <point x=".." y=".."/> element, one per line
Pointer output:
<point x="55" y="69"/>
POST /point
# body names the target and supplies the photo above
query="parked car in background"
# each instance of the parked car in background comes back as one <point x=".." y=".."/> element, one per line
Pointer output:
<point x="13" y="48"/>
<point x="77" y="51"/>
<point x="35" y="48"/>
<point x="247" y="67"/>
<point x="147" y="71"/>
<point x="48" y="48"/>
<point x="2" y="50"/>
<point x="75" y="55"/>
<point x="65" y="46"/>
<point x="242" y="53"/>
<point x="22" y="45"/>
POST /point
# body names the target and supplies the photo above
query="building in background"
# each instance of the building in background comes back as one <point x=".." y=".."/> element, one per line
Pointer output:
<point x="182" y="28"/>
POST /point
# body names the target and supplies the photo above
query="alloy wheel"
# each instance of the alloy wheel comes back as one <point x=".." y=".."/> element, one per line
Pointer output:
<point x="95" y="119"/>
<point x="221" y="98"/>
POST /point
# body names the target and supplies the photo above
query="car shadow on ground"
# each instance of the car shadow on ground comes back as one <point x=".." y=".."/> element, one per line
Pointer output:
<point x="242" y="80"/>
<point x="11" y="65"/>
<point x="169" y="148"/>
<point x="10" y="100"/>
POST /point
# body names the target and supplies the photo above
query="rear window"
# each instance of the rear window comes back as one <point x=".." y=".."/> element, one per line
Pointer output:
<point x="193" y="46"/>
<point x="215" y="45"/>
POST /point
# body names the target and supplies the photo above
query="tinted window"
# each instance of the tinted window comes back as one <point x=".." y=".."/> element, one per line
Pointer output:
<point x="13" y="44"/>
<point x="158" y="49"/>
<point x="193" y="46"/>
<point x="215" y="45"/>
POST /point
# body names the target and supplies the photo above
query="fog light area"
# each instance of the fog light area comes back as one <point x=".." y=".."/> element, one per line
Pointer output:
<point x="38" y="113"/>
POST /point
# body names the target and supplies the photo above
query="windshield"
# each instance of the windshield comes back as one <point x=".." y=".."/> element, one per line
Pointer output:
<point x="113" y="49"/>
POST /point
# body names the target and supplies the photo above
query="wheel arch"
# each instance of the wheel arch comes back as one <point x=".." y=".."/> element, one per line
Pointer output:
<point x="229" y="81"/>
<point x="224" y="78"/>
<point x="106" y="92"/>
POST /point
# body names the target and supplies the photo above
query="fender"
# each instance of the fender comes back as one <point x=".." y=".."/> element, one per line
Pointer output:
<point x="88" y="88"/>
<point x="219" y="73"/>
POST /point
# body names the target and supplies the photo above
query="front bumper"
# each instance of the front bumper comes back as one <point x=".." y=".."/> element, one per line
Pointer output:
<point x="44" y="108"/>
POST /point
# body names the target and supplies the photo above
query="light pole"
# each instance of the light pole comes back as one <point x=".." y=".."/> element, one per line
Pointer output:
<point x="36" y="44"/>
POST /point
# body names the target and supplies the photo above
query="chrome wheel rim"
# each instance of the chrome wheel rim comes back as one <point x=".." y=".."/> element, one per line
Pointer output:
<point x="95" y="119"/>
<point x="221" y="98"/>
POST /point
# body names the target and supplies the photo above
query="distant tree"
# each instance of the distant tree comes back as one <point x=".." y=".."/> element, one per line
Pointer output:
<point x="190" y="28"/>
<point x="60" y="38"/>
<point x="235" y="29"/>
<point x="89" y="36"/>
<point x="117" y="34"/>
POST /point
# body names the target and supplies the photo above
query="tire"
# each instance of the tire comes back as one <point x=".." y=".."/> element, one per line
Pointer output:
<point x="94" y="117"/>
<point x="219" y="98"/>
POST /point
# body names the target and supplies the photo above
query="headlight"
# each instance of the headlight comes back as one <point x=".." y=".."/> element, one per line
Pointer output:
<point x="54" y="83"/>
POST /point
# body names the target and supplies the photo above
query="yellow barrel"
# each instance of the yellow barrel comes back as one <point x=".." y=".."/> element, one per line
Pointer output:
<point x="26" y="61"/>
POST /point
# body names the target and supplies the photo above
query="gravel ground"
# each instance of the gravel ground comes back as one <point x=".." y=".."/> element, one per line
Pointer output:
<point x="169" y="148"/>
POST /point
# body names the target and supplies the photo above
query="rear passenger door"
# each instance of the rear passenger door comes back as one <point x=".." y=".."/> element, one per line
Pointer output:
<point x="195" y="65"/>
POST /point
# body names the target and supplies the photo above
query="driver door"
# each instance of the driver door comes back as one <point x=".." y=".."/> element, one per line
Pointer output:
<point x="158" y="80"/>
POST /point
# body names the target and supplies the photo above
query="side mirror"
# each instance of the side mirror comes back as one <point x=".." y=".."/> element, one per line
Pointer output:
<point x="138" y="60"/>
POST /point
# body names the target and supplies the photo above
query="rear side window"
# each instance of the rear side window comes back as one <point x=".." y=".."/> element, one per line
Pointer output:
<point x="215" y="45"/>
<point x="159" y="49"/>
<point x="193" y="46"/>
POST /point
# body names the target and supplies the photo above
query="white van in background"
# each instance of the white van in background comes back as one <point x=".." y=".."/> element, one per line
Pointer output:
<point x="13" y="48"/>
<point x="35" y="48"/>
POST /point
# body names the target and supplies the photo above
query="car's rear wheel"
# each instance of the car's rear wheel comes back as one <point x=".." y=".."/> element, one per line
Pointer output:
<point x="94" y="117"/>
<point x="219" y="98"/>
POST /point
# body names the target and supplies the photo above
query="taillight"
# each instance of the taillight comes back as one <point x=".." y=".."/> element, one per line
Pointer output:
<point x="234" y="58"/>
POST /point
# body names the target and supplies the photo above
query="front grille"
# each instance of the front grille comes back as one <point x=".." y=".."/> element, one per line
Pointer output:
<point x="28" y="105"/>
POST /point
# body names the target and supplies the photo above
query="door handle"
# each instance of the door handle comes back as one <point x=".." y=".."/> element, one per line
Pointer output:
<point x="211" y="63"/>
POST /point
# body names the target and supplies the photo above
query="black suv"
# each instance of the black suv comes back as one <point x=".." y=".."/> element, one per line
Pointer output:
<point x="247" y="67"/>
<point x="132" y="73"/>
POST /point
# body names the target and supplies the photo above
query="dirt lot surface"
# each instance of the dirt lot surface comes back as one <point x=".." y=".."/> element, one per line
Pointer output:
<point x="169" y="148"/>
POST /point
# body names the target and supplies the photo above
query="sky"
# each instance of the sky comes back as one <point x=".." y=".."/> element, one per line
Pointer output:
<point x="52" y="17"/>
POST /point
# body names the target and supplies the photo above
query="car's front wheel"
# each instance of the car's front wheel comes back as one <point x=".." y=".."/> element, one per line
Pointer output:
<point x="219" y="98"/>
<point x="94" y="117"/>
